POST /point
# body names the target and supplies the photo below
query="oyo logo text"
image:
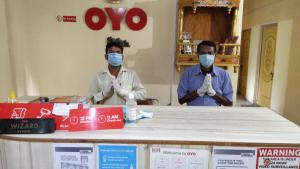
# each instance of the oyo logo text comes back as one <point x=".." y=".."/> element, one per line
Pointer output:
<point x="95" y="18"/>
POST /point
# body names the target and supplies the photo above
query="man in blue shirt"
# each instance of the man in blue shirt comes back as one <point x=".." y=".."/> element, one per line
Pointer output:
<point x="205" y="84"/>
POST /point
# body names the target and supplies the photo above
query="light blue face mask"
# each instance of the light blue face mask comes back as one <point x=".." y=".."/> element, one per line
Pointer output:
<point x="206" y="60"/>
<point x="115" y="59"/>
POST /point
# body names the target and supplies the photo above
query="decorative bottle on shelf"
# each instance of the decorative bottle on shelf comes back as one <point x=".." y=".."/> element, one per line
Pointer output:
<point x="131" y="110"/>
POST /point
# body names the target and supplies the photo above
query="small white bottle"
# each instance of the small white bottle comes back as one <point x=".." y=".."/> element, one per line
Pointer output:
<point x="131" y="110"/>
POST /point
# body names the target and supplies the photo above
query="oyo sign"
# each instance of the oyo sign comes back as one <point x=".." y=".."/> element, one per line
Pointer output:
<point x="95" y="18"/>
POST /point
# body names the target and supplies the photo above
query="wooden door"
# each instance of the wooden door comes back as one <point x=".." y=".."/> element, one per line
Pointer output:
<point x="243" y="74"/>
<point x="267" y="61"/>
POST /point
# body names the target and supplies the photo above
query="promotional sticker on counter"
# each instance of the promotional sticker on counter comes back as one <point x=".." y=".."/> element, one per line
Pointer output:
<point x="170" y="158"/>
<point x="58" y="111"/>
<point x="234" y="158"/>
<point x="117" y="156"/>
<point x="73" y="156"/>
<point x="25" y="110"/>
<point x="278" y="158"/>
<point x="96" y="119"/>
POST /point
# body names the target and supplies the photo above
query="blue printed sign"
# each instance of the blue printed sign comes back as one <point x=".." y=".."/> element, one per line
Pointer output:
<point x="117" y="156"/>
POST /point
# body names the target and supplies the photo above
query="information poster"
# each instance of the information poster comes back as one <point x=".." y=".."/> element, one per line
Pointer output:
<point x="234" y="158"/>
<point x="278" y="158"/>
<point x="74" y="156"/>
<point x="117" y="156"/>
<point x="171" y="158"/>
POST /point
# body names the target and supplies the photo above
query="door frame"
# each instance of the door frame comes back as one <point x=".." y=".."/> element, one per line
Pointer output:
<point x="256" y="93"/>
<point x="247" y="63"/>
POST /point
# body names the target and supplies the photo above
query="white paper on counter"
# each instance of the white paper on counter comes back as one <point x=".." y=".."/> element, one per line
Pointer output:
<point x="171" y="158"/>
<point x="63" y="109"/>
<point x="73" y="156"/>
<point x="234" y="157"/>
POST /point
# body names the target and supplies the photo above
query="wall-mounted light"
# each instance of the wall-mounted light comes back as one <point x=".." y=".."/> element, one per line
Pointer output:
<point x="114" y="1"/>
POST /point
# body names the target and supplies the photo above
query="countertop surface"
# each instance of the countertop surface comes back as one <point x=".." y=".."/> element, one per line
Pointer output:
<point x="239" y="126"/>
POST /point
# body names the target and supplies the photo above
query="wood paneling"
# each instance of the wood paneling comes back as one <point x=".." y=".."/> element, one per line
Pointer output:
<point x="208" y="23"/>
<point x="243" y="75"/>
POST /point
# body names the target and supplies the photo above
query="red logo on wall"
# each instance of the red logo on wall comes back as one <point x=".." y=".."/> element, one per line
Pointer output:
<point x="95" y="18"/>
<point x="60" y="18"/>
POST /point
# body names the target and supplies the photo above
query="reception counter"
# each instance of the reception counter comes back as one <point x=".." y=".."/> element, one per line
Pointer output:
<point x="188" y="127"/>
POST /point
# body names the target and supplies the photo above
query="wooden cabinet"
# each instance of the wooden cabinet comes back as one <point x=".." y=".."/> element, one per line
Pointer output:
<point x="214" y="20"/>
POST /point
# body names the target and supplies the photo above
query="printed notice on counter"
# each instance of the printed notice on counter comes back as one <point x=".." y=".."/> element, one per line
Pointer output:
<point x="63" y="109"/>
<point x="234" y="158"/>
<point x="278" y="158"/>
<point x="71" y="156"/>
<point x="170" y="158"/>
<point x="117" y="156"/>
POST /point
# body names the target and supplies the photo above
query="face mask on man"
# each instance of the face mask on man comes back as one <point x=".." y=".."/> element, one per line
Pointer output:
<point x="206" y="60"/>
<point x="115" y="59"/>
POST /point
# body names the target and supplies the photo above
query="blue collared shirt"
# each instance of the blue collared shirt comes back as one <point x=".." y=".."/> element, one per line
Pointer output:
<point x="193" y="78"/>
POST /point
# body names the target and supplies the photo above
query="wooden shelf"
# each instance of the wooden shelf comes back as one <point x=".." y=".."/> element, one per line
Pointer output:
<point x="209" y="3"/>
<point x="208" y="20"/>
<point x="226" y="65"/>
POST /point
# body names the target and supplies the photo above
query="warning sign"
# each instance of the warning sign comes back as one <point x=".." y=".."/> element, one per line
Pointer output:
<point x="278" y="158"/>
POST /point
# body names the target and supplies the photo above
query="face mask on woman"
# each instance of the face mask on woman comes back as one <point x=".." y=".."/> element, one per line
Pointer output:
<point x="115" y="59"/>
<point x="206" y="60"/>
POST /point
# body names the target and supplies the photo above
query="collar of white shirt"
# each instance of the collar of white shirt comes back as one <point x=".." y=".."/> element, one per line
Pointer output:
<point x="123" y="69"/>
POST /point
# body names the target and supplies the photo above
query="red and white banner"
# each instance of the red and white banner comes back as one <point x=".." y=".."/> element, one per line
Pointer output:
<point x="33" y="110"/>
<point x="96" y="119"/>
<point x="77" y="120"/>
<point x="278" y="158"/>
<point x="25" y="110"/>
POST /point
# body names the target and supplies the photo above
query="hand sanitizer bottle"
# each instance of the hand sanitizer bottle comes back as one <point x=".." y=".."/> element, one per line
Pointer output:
<point x="12" y="97"/>
<point x="131" y="110"/>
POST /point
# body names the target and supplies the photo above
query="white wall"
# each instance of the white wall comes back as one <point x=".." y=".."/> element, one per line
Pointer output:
<point x="54" y="58"/>
<point x="282" y="58"/>
<point x="253" y="63"/>
<point x="5" y="69"/>
<point x="286" y="75"/>
<point x="280" y="67"/>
